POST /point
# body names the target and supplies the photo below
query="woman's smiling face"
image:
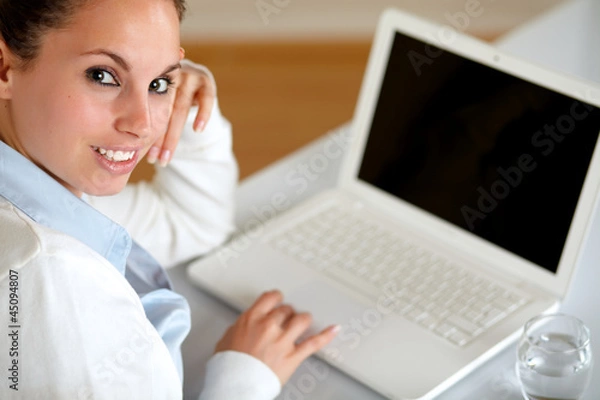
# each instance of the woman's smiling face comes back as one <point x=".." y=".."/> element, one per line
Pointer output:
<point x="98" y="94"/>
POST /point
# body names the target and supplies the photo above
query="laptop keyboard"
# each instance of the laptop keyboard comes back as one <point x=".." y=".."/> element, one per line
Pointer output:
<point x="426" y="288"/>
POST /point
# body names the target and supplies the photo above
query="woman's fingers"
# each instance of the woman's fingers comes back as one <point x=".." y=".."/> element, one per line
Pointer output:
<point x="315" y="343"/>
<point x="155" y="150"/>
<point x="269" y="331"/>
<point x="280" y="315"/>
<point x="195" y="87"/>
<point x="264" y="304"/>
<point x="181" y="107"/>
<point x="296" y="326"/>
<point x="206" y="101"/>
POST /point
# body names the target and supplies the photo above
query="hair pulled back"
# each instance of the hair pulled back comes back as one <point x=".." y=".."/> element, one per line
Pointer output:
<point x="23" y="23"/>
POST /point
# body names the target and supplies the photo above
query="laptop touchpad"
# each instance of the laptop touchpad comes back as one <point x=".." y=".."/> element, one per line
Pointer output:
<point x="327" y="304"/>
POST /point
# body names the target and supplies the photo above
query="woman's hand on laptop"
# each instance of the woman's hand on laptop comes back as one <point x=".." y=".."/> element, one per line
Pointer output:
<point x="269" y="331"/>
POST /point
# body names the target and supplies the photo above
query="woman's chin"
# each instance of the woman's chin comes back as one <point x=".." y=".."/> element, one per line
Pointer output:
<point x="109" y="189"/>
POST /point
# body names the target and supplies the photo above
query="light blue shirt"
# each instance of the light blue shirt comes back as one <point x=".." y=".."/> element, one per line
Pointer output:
<point x="50" y="204"/>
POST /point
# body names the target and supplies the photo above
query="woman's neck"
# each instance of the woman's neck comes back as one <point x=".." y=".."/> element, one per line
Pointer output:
<point x="7" y="130"/>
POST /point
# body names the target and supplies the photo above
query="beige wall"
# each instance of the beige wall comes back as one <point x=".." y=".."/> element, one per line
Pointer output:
<point x="210" y="20"/>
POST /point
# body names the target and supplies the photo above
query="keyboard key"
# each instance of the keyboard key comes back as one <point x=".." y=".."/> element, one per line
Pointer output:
<point x="457" y="308"/>
<point x="503" y="303"/>
<point x="444" y="329"/>
<point x="416" y="314"/>
<point x="491" y="317"/>
<point x="464" y="325"/>
<point x="459" y="338"/>
<point x="439" y="313"/>
<point x="429" y="322"/>
<point x="472" y="316"/>
<point x="403" y="306"/>
<point x="307" y="257"/>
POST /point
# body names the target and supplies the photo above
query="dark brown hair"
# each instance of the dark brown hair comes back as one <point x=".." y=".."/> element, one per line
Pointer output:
<point x="23" y="23"/>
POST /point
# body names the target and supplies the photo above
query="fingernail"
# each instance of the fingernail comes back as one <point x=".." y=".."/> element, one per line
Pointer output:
<point x="336" y="328"/>
<point x="152" y="154"/>
<point x="165" y="157"/>
<point x="200" y="126"/>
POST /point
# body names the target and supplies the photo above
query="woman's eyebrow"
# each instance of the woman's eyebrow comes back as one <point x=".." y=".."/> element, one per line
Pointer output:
<point x="124" y="64"/>
<point x="172" y="68"/>
<point x="116" y="58"/>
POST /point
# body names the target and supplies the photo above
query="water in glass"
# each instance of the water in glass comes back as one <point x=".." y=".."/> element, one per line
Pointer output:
<point x="554" y="365"/>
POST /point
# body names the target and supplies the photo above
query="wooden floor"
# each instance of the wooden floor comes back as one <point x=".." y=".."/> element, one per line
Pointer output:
<point x="280" y="96"/>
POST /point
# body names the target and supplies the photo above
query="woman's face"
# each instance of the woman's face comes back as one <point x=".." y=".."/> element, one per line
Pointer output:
<point x="99" y="93"/>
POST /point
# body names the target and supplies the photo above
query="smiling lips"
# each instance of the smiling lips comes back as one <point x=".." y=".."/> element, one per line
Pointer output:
<point x="115" y="156"/>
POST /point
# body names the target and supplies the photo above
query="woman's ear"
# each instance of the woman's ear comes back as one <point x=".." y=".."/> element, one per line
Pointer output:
<point x="6" y="71"/>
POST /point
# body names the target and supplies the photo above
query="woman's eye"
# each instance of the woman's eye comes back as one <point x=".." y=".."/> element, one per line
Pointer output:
<point x="102" y="77"/>
<point x="160" y="85"/>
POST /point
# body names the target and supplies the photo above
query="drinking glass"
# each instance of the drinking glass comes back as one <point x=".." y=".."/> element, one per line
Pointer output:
<point x="554" y="358"/>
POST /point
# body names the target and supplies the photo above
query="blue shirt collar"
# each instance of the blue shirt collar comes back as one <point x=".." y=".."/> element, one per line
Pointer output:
<point x="48" y="203"/>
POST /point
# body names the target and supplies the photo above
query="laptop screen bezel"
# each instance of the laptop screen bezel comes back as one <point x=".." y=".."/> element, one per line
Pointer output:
<point x="464" y="242"/>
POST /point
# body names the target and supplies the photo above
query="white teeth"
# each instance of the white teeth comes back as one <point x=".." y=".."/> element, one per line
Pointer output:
<point x="117" y="156"/>
<point x="122" y="156"/>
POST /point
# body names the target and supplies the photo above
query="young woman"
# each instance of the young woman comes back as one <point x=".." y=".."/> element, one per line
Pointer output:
<point x="87" y="89"/>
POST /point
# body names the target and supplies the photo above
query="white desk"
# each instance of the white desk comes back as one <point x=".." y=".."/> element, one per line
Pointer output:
<point x="566" y="31"/>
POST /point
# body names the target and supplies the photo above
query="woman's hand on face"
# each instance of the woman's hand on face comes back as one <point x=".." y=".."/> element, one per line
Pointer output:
<point x="269" y="331"/>
<point x="196" y="87"/>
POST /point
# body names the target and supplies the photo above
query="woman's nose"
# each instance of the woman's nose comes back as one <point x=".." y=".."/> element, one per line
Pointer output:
<point x="134" y="113"/>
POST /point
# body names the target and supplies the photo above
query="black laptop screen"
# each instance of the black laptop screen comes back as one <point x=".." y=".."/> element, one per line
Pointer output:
<point x="493" y="154"/>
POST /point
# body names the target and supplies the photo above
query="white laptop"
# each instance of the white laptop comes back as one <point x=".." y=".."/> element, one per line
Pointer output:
<point x="460" y="212"/>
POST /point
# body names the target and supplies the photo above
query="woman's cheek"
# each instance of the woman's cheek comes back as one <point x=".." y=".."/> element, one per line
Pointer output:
<point x="161" y="120"/>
